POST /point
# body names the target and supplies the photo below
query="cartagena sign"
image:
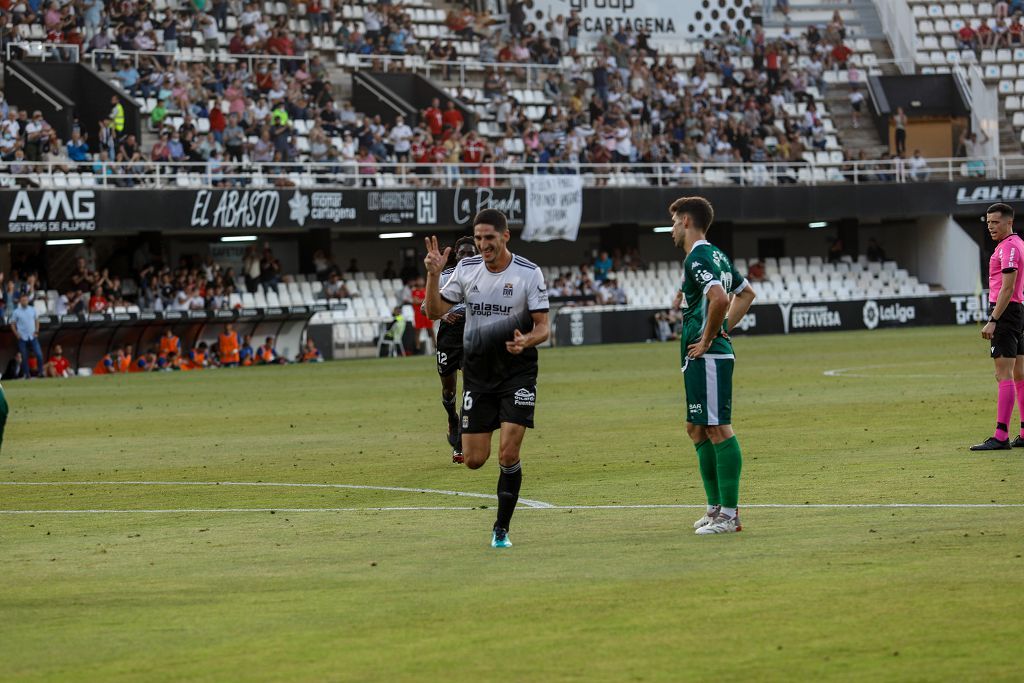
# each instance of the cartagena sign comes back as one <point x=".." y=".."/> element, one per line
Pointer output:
<point x="662" y="19"/>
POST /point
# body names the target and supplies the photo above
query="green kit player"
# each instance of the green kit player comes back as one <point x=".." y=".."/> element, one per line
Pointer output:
<point x="709" y="279"/>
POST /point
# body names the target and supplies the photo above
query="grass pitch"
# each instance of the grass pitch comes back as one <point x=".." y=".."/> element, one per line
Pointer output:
<point x="620" y="594"/>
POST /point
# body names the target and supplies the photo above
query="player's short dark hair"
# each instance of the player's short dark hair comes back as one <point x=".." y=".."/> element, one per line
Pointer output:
<point x="453" y="256"/>
<point x="1004" y="210"/>
<point x="698" y="208"/>
<point x="464" y="240"/>
<point x="491" y="217"/>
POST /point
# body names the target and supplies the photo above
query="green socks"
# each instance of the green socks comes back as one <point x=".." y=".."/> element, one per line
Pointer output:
<point x="729" y="462"/>
<point x="707" y="458"/>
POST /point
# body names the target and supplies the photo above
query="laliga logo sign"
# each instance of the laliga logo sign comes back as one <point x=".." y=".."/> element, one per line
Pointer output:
<point x="875" y="313"/>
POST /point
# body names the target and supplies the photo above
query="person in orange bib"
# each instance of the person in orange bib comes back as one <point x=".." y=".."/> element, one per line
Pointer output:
<point x="197" y="358"/>
<point x="144" y="363"/>
<point x="110" y="364"/>
<point x="169" y="343"/>
<point x="267" y="354"/>
<point x="229" y="346"/>
<point x="246" y="354"/>
<point x="309" y="353"/>
<point x="124" y="363"/>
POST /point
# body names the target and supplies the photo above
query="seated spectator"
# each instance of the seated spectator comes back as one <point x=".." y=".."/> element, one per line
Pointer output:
<point x="335" y="288"/>
<point x="875" y="251"/>
<point x="755" y="273"/>
<point x="16" y="369"/>
<point x="97" y="302"/>
<point x="967" y="37"/>
<point x="78" y="151"/>
<point x="917" y="167"/>
<point x="57" y="365"/>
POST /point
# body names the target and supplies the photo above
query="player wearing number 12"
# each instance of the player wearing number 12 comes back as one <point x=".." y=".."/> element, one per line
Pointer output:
<point x="707" y="358"/>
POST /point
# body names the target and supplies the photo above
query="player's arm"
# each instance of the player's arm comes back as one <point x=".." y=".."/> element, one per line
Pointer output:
<point x="1002" y="301"/>
<point x="718" y="304"/>
<point x="435" y="260"/>
<point x="741" y="301"/>
<point x="538" y="335"/>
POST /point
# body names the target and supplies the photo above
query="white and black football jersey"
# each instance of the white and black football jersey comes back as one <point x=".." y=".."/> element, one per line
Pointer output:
<point x="497" y="304"/>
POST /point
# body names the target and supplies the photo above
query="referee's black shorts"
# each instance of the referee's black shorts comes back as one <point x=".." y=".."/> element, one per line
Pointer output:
<point x="1008" y="339"/>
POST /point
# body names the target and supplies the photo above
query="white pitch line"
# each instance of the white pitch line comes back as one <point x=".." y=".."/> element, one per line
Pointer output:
<point x="204" y="510"/>
<point x="525" y="501"/>
<point x="787" y="506"/>
<point x="849" y="372"/>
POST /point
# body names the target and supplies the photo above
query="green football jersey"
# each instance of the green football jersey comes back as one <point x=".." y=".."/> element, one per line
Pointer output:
<point x="705" y="265"/>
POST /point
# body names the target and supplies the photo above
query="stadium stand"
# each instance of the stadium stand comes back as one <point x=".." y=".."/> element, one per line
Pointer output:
<point x="987" y="34"/>
<point x="534" y="96"/>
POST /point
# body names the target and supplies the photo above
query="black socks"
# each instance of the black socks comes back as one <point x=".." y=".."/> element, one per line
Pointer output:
<point x="509" y="481"/>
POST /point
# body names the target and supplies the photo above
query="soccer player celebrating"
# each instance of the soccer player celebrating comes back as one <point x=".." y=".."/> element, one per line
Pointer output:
<point x="707" y="359"/>
<point x="506" y="318"/>
<point x="1005" y="325"/>
<point x="449" y="348"/>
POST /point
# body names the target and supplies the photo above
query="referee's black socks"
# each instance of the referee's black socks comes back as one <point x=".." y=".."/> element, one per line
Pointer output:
<point x="509" y="481"/>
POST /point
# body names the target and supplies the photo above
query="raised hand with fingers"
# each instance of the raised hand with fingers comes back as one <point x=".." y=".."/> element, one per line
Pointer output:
<point x="435" y="260"/>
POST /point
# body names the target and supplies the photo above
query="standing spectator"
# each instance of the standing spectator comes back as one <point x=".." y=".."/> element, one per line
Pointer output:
<point x="36" y="133"/>
<point x="899" y="122"/>
<point x="117" y="115"/>
<point x="602" y="266"/>
<point x="25" y="325"/>
<point x="856" y="103"/>
<point x="452" y="117"/>
<point x="433" y="118"/>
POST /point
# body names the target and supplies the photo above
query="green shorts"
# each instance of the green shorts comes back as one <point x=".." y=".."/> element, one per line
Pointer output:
<point x="708" y="382"/>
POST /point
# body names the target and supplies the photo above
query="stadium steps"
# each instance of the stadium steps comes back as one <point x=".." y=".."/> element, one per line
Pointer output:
<point x="1010" y="140"/>
<point x="853" y="140"/>
<point x="860" y="17"/>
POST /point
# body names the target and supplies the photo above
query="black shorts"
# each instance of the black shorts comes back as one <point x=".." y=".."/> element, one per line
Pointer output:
<point x="449" y="358"/>
<point x="449" y="348"/>
<point x="483" y="412"/>
<point x="1008" y="340"/>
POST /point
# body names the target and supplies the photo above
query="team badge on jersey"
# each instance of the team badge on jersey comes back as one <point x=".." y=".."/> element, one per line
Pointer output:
<point x="508" y="289"/>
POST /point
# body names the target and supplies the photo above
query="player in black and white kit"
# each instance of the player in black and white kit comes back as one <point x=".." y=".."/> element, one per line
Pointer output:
<point x="506" y="318"/>
<point x="449" y="349"/>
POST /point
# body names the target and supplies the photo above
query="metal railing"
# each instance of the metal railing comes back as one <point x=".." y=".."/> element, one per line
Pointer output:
<point x="135" y="56"/>
<point x="43" y="51"/>
<point x="69" y="175"/>
<point x="427" y="67"/>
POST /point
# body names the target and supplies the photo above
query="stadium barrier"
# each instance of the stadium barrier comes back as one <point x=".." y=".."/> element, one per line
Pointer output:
<point x="92" y="210"/>
<point x="817" y="169"/>
<point x="582" y="326"/>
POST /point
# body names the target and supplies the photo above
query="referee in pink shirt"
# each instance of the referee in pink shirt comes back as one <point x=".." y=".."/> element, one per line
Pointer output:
<point x="1005" y="326"/>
